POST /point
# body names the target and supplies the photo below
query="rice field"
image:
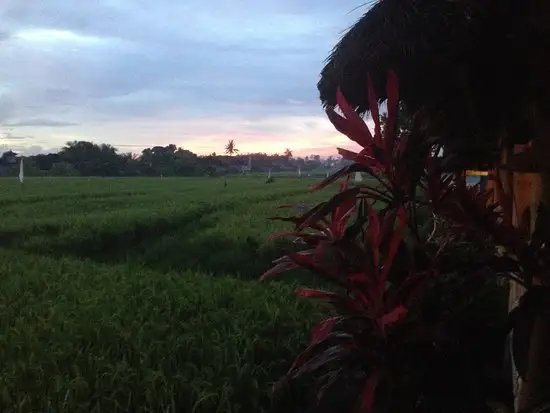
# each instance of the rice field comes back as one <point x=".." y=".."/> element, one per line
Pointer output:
<point x="142" y="295"/>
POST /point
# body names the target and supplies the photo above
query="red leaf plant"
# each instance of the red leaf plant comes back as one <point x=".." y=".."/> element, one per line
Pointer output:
<point x="398" y="294"/>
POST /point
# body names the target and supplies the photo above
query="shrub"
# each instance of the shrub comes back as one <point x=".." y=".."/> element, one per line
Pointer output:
<point x="407" y="333"/>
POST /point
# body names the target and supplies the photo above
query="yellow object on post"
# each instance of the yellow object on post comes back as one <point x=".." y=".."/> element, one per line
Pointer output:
<point x="476" y="173"/>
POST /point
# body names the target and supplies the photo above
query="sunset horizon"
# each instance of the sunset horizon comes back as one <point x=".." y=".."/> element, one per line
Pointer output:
<point x="192" y="78"/>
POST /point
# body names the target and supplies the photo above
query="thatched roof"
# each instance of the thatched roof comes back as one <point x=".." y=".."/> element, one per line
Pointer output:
<point x="478" y="69"/>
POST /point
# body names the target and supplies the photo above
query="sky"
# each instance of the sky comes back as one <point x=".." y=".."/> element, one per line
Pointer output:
<point x="139" y="73"/>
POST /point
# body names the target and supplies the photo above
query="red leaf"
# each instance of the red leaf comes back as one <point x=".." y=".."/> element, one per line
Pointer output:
<point x="312" y="293"/>
<point x="342" y="212"/>
<point x="303" y="259"/>
<point x="392" y="91"/>
<point x="312" y="239"/>
<point x="346" y="170"/>
<point x="362" y="158"/>
<point x="373" y="234"/>
<point x="310" y="360"/>
<point x="364" y="289"/>
<point x="366" y="403"/>
<point x="331" y="206"/>
<point x="345" y="184"/>
<point x="323" y="329"/>
<point x="337" y="121"/>
<point x="353" y="118"/>
<point x="360" y="277"/>
<point x="342" y="303"/>
<point x="343" y="126"/>
<point x="403" y="141"/>
<point x="394" y="316"/>
<point x="411" y="289"/>
<point x="388" y="222"/>
<point x="395" y="242"/>
<point x="373" y="103"/>
<point x="348" y="155"/>
<point x="282" y="266"/>
<point x="306" y="260"/>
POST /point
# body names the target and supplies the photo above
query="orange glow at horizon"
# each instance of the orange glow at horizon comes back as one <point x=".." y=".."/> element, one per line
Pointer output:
<point x="277" y="146"/>
<point x="304" y="136"/>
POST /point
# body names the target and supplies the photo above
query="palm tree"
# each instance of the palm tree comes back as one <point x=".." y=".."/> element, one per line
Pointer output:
<point x="230" y="148"/>
<point x="288" y="153"/>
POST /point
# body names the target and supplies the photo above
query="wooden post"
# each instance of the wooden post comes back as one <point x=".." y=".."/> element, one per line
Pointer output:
<point x="526" y="195"/>
<point x="506" y="179"/>
<point x="526" y="190"/>
<point x="535" y="390"/>
<point x="522" y="194"/>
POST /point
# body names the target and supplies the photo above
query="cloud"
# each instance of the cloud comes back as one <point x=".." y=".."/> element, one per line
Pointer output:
<point x="27" y="150"/>
<point x="22" y="144"/>
<point x="8" y="137"/>
<point x="41" y="122"/>
<point x="6" y="106"/>
<point x="123" y="70"/>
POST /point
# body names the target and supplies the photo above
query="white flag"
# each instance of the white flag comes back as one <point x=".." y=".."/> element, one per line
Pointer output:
<point x="21" y="171"/>
<point x="299" y="172"/>
<point x="358" y="177"/>
<point x="269" y="174"/>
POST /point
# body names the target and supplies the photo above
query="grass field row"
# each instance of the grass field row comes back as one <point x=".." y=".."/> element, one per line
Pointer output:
<point x="80" y="336"/>
<point x="142" y="295"/>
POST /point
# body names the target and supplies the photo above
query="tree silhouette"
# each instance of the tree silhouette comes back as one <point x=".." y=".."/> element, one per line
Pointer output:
<point x="83" y="158"/>
<point x="288" y="153"/>
<point x="230" y="148"/>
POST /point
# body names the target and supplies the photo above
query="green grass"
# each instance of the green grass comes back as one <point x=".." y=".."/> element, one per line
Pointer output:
<point x="142" y="295"/>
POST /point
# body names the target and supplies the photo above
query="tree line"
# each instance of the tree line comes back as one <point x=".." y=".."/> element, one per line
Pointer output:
<point x="82" y="158"/>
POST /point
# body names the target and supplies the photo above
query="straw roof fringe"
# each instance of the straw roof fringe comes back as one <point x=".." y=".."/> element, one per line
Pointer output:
<point x="478" y="69"/>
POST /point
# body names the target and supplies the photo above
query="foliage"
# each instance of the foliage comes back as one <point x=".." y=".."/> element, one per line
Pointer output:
<point x="139" y="295"/>
<point x="231" y="148"/>
<point x="403" y="336"/>
<point x="81" y="158"/>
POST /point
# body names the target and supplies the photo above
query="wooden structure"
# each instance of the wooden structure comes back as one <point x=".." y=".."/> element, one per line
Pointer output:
<point x="476" y="72"/>
<point x="483" y="177"/>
